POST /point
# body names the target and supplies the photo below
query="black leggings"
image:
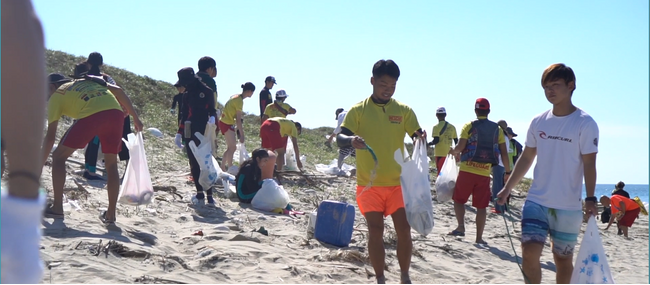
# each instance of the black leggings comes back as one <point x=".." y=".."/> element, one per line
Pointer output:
<point x="90" y="156"/>
<point x="195" y="169"/>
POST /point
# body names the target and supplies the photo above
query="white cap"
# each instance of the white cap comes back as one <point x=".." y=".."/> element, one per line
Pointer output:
<point x="281" y="93"/>
<point x="441" y="110"/>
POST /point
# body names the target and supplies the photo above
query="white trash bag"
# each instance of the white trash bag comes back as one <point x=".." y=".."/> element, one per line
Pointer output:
<point x="290" y="162"/>
<point x="333" y="168"/>
<point x="270" y="197"/>
<point x="136" y="188"/>
<point x="210" y="131"/>
<point x="591" y="265"/>
<point x="415" y="188"/>
<point x="209" y="167"/>
<point x="240" y="154"/>
<point x="446" y="181"/>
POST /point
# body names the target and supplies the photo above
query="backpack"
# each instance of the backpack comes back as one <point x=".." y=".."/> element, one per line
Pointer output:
<point x="519" y="149"/>
<point x="483" y="143"/>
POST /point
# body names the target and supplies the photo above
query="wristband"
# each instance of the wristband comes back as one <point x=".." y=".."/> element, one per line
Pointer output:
<point x="591" y="199"/>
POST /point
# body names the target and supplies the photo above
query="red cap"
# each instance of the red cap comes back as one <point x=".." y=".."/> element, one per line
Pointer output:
<point x="482" y="104"/>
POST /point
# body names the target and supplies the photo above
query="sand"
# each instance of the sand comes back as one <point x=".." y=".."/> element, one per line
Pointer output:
<point x="155" y="243"/>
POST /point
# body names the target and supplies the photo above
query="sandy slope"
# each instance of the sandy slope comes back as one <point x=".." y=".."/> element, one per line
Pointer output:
<point x="155" y="243"/>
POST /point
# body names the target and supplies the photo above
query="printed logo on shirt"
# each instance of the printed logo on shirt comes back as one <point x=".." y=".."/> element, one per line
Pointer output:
<point x="395" y="119"/>
<point x="596" y="141"/>
<point x="201" y="95"/>
<point x="543" y="135"/>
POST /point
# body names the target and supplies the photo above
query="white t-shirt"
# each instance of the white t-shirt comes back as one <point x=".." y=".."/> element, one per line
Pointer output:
<point x="341" y="117"/>
<point x="560" y="143"/>
<point x="507" y="150"/>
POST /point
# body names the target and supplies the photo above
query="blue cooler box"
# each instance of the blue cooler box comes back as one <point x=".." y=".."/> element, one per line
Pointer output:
<point x="334" y="223"/>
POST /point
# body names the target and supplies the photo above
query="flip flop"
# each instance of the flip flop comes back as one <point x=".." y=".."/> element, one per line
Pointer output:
<point x="482" y="242"/>
<point x="102" y="217"/>
<point x="48" y="213"/>
<point x="456" y="233"/>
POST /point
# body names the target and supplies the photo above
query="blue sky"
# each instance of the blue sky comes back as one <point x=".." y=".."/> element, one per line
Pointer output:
<point x="449" y="53"/>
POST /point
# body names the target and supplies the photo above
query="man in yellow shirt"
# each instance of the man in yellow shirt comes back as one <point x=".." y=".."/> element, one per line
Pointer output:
<point x="275" y="132"/>
<point x="481" y="143"/>
<point x="278" y="109"/>
<point x="381" y="122"/>
<point x="96" y="106"/>
<point x="443" y="133"/>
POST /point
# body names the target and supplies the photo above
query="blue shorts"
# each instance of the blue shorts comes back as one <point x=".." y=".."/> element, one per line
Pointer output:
<point x="538" y="221"/>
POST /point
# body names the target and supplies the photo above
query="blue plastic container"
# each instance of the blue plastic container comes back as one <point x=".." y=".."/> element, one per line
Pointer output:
<point x="334" y="223"/>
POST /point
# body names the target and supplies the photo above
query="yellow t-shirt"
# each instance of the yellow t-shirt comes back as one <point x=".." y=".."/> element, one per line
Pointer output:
<point x="234" y="104"/>
<point x="383" y="129"/>
<point x="272" y="111"/>
<point x="478" y="168"/>
<point x="444" y="144"/>
<point x="287" y="127"/>
<point x="79" y="99"/>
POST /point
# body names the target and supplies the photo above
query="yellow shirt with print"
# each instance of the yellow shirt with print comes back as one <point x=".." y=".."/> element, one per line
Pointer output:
<point x="229" y="114"/>
<point x="287" y="127"/>
<point x="478" y="168"/>
<point x="273" y="112"/>
<point x="79" y="99"/>
<point x="383" y="129"/>
<point x="444" y="143"/>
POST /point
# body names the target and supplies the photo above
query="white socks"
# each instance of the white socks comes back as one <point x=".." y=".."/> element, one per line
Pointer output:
<point x="20" y="233"/>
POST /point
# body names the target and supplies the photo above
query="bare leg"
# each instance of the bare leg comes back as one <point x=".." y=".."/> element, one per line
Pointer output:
<point x="231" y="143"/>
<point x="459" y="209"/>
<point x="404" y="244"/>
<point x="59" y="157"/>
<point x="376" y="249"/>
<point x="624" y="229"/>
<point x="531" y="252"/>
<point x="563" y="267"/>
<point x="280" y="160"/>
<point x="481" y="216"/>
<point x="113" y="184"/>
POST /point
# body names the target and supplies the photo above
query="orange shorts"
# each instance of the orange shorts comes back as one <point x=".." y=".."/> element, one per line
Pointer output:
<point x="383" y="199"/>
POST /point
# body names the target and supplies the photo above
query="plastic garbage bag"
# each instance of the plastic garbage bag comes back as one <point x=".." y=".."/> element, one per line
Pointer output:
<point x="446" y="181"/>
<point x="210" y="132"/>
<point x="209" y="167"/>
<point x="591" y="265"/>
<point x="271" y="196"/>
<point x="156" y="132"/>
<point x="415" y="188"/>
<point x="136" y="188"/>
<point x="333" y="168"/>
<point x="290" y="162"/>
<point x="240" y="154"/>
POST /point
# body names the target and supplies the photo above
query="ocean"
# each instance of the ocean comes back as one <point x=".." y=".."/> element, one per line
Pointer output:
<point x="641" y="190"/>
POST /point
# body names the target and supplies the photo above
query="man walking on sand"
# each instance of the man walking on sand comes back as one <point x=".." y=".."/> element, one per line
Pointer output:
<point x="443" y="134"/>
<point x="481" y="143"/>
<point x="565" y="141"/>
<point x="380" y="122"/>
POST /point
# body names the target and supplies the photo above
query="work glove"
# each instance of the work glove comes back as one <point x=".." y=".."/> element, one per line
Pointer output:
<point x="211" y="120"/>
<point x="328" y="144"/>
<point x="172" y="111"/>
<point x="178" y="141"/>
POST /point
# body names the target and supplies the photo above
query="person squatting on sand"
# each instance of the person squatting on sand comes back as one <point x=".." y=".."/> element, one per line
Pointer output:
<point x="624" y="211"/>
<point x="565" y="142"/>
<point x="381" y="122"/>
<point x="23" y="104"/>
<point x="275" y="133"/>
<point x="233" y="112"/>
<point x="95" y="104"/>
<point x="481" y="145"/>
<point x="252" y="172"/>
<point x="197" y="110"/>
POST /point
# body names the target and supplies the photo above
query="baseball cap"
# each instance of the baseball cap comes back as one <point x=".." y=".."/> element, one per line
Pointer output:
<point x="185" y="76"/>
<point x="510" y="132"/>
<point x="281" y="94"/>
<point x="338" y="111"/>
<point x="270" y="78"/>
<point x="54" y="78"/>
<point x="482" y="104"/>
<point x="441" y="110"/>
<point x="80" y="70"/>
<point x="502" y="124"/>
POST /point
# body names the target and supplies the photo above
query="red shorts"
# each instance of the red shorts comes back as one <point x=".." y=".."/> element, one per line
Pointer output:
<point x="472" y="184"/>
<point x="107" y="125"/>
<point x="629" y="218"/>
<point x="271" y="137"/>
<point x="223" y="127"/>
<point x="383" y="199"/>
<point x="440" y="160"/>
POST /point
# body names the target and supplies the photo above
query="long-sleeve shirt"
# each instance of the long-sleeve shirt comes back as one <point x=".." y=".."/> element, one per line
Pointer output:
<point x="197" y="106"/>
<point x="177" y="99"/>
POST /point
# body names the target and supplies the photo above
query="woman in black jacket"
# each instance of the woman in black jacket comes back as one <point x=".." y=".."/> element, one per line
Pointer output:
<point x="252" y="172"/>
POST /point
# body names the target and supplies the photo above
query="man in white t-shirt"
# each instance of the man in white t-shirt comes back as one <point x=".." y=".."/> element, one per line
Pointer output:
<point x="566" y="139"/>
<point x="345" y="151"/>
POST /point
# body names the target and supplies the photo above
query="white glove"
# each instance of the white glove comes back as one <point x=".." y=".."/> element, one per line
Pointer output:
<point x="211" y="120"/>
<point x="178" y="141"/>
<point x="172" y="111"/>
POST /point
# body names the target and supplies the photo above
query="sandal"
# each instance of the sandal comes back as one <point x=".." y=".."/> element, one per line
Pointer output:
<point x="48" y="213"/>
<point x="482" y="242"/>
<point x="102" y="217"/>
<point x="456" y="233"/>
